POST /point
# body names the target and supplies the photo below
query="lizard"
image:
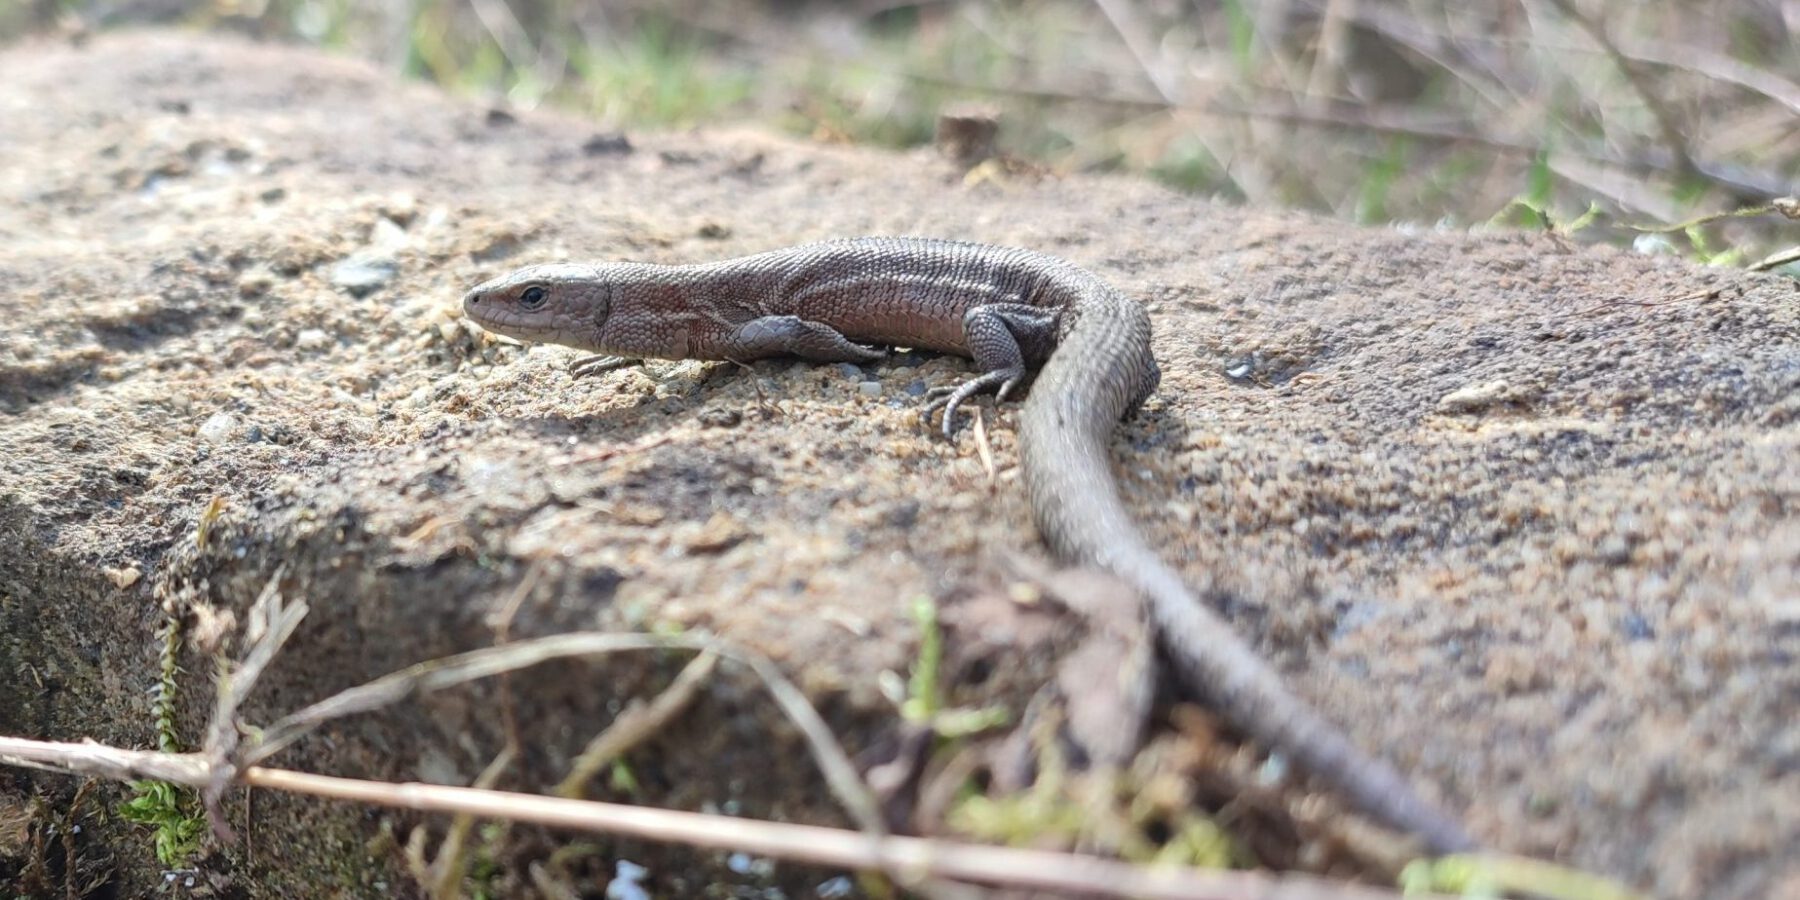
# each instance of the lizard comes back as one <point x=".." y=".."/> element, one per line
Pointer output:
<point x="1014" y="312"/>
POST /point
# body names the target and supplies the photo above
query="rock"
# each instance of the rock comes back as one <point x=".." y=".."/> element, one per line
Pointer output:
<point x="425" y="498"/>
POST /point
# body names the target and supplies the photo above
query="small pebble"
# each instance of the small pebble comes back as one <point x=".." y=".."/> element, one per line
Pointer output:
<point x="255" y="282"/>
<point x="363" y="273"/>
<point x="718" y="417"/>
<point x="122" y="577"/>
<point x="625" y="884"/>
<point x="613" y="143"/>
<point x="1474" y="398"/>
<point x="312" y="339"/>
<point x="870" y="388"/>
<point x="218" y="429"/>
<point x="387" y="234"/>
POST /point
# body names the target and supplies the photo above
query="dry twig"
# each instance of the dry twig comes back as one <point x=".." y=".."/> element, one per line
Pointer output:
<point x="908" y="856"/>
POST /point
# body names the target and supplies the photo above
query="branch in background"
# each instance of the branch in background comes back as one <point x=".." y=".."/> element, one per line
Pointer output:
<point x="1285" y="105"/>
<point x="1429" y="44"/>
<point x="1741" y="182"/>
<point x="1721" y="68"/>
<point x="1142" y="43"/>
<point x="1695" y="60"/>
<point x="1665" y="121"/>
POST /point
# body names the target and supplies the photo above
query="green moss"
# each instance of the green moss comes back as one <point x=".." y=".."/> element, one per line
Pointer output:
<point x="172" y="811"/>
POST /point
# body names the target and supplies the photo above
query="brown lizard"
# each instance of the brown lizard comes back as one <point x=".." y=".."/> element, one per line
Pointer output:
<point x="1013" y="311"/>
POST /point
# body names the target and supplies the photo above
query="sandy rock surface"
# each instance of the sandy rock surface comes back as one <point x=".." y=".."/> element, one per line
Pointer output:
<point x="1518" y="513"/>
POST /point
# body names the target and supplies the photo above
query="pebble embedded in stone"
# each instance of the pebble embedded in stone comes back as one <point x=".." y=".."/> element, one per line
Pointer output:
<point x="1475" y="397"/>
<point x="219" y="429"/>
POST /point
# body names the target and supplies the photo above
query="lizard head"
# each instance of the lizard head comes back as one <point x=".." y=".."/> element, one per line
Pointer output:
<point x="558" y="303"/>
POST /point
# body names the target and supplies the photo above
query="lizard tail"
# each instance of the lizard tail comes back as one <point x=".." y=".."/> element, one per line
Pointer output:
<point x="1101" y="368"/>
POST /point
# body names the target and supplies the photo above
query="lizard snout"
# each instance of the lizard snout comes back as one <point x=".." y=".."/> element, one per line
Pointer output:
<point x="471" y="301"/>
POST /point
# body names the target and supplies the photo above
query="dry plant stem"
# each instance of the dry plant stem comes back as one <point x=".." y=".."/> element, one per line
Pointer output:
<point x="1750" y="212"/>
<point x="271" y="623"/>
<point x="911" y="857"/>
<point x="501" y="621"/>
<point x="1782" y="258"/>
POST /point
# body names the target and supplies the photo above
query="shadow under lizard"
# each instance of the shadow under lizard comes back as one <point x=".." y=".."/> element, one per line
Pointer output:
<point x="1013" y="311"/>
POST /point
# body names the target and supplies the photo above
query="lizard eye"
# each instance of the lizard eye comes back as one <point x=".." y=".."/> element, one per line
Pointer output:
<point x="533" y="297"/>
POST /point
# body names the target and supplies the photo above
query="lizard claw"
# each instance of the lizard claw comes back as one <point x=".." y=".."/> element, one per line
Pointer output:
<point x="1001" y="382"/>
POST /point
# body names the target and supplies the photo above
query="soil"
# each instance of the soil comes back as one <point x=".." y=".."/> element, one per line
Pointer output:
<point x="1522" y="515"/>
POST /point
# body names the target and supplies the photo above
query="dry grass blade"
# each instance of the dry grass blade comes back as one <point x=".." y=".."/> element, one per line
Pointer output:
<point x="435" y="675"/>
<point x="637" y="724"/>
<point x="983" y="447"/>
<point x="444" y="873"/>
<point x="1777" y="260"/>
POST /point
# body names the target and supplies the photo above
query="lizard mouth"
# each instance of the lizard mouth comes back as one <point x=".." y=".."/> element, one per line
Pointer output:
<point x="491" y="312"/>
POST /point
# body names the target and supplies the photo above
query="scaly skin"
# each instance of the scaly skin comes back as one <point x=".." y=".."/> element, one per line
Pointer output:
<point x="1012" y="311"/>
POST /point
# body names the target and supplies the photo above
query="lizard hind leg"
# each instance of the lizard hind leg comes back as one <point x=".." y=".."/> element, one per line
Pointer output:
<point x="768" y="336"/>
<point x="1003" y="338"/>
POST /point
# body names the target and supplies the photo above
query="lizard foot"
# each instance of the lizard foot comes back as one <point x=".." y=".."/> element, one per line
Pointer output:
<point x="594" y="365"/>
<point x="1000" y="382"/>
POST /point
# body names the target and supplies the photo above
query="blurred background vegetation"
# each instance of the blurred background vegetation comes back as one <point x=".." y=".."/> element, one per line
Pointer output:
<point x="1584" y="116"/>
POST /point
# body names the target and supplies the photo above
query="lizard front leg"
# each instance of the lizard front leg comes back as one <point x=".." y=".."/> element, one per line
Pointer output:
<point x="768" y="336"/>
<point x="1002" y="338"/>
